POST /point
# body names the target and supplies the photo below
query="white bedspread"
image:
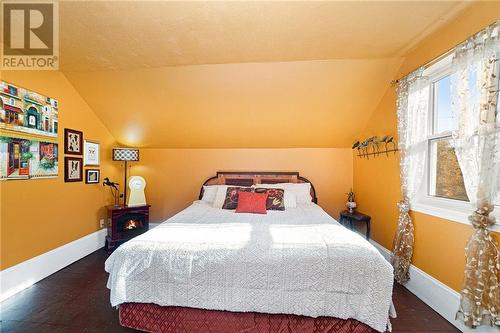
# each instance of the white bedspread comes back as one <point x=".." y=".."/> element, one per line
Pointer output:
<point x="299" y="261"/>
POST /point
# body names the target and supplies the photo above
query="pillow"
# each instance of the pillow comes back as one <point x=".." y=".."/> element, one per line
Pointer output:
<point x="220" y="196"/>
<point x="275" y="198"/>
<point x="290" y="198"/>
<point x="231" y="198"/>
<point x="209" y="193"/>
<point x="249" y="202"/>
<point x="302" y="192"/>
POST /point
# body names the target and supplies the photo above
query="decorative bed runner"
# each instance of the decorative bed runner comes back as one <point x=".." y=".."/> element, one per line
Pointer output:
<point x="173" y="319"/>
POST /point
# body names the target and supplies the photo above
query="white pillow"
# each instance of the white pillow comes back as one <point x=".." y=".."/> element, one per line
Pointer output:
<point x="209" y="193"/>
<point x="302" y="191"/>
<point x="220" y="196"/>
<point x="290" y="199"/>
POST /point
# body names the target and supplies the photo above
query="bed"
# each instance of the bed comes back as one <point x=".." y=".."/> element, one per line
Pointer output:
<point x="211" y="270"/>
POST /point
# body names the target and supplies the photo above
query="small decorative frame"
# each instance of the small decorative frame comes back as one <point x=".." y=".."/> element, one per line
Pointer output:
<point x="73" y="169"/>
<point x="92" y="176"/>
<point x="73" y="142"/>
<point x="91" y="153"/>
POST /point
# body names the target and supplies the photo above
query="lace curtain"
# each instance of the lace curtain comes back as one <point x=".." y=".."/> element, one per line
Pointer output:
<point x="477" y="145"/>
<point x="412" y="110"/>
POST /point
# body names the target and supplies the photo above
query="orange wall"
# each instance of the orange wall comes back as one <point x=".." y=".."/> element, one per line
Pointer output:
<point x="174" y="176"/>
<point x="439" y="244"/>
<point x="40" y="215"/>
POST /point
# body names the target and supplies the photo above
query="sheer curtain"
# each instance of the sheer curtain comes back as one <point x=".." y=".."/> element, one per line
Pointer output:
<point x="477" y="146"/>
<point x="413" y="121"/>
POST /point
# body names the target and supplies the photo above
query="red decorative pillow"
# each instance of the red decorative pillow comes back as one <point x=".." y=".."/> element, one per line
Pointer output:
<point x="250" y="202"/>
<point x="231" y="200"/>
<point x="275" y="198"/>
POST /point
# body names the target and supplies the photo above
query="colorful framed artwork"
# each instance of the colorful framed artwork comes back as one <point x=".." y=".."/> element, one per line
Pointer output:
<point x="73" y="169"/>
<point x="92" y="176"/>
<point x="73" y="142"/>
<point x="91" y="153"/>
<point x="28" y="134"/>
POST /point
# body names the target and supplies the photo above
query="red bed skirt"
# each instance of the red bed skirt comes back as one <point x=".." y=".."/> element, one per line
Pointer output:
<point x="173" y="319"/>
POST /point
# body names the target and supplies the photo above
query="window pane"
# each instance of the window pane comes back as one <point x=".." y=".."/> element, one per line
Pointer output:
<point x="443" y="119"/>
<point x="446" y="178"/>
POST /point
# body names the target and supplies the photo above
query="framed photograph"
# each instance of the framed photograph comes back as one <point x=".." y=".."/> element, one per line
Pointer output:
<point x="73" y="142"/>
<point x="91" y="153"/>
<point x="92" y="176"/>
<point x="73" y="169"/>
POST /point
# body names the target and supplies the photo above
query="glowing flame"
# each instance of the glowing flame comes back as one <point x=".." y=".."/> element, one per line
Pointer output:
<point x="131" y="224"/>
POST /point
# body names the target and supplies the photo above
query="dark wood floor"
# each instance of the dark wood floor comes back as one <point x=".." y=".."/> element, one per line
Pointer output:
<point x="76" y="299"/>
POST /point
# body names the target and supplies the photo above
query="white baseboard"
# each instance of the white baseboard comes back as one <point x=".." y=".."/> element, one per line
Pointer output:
<point x="21" y="276"/>
<point x="436" y="294"/>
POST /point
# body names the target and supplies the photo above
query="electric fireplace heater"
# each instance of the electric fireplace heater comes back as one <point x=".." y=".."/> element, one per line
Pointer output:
<point x="125" y="223"/>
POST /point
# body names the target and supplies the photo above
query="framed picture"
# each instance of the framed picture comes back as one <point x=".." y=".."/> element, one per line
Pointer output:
<point x="73" y="169"/>
<point x="91" y="153"/>
<point x="73" y="142"/>
<point x="92" y="176"/>
<point x="29" y="134"/>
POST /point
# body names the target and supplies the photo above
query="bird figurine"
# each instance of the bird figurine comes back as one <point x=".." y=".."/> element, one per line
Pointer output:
<point x="363" y="147"/>
<point x="390" y="140"/>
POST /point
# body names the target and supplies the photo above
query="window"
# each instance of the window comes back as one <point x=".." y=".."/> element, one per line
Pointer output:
<point x="445" y="178"/>
<point x="443" y="192"/>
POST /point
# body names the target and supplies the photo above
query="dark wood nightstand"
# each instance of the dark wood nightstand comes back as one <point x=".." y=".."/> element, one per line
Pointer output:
<point x="355" y="216"/>
<point x="125" y="223"/>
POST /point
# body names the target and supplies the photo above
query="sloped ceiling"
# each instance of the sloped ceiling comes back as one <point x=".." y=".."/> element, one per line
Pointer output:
<point x="287" y="104"/>
<point x="239" y="74"/>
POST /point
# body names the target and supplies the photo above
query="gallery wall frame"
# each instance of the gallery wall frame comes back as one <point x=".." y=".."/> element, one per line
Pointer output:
<point x="92" y="176"/>
<point x="29" y="130"/>
<point x="91" y="153"/>
<point x="73" y="142"/>
<point x="73" y="169"/>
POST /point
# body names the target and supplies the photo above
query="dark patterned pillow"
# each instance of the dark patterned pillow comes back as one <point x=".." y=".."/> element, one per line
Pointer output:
<point x="231" y="200"/>
<point x="275" y="198"/>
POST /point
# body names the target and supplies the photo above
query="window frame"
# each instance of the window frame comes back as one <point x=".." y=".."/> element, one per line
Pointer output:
<point x="446" y="208"/>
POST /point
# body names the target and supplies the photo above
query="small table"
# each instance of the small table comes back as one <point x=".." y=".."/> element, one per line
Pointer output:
<point x="355" y="216"/>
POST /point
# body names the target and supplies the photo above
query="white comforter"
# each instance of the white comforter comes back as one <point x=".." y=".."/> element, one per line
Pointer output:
<point x="299" y="261"/>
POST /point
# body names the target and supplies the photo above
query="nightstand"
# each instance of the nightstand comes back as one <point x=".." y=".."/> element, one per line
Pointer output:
<point x="355" y="216"/>
<point x="125" y="223"/>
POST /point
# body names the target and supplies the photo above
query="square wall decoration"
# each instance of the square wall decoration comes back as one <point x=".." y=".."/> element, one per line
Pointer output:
<point x="73" y="169"/>
<point x="92" y="176"/>
<point x="91" y="153"/>
<point x="73" y="142"/>
<point x="28" y="134"/>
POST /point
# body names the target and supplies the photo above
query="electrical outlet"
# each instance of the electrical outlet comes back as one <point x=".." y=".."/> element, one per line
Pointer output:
<point x="101" y="223"/>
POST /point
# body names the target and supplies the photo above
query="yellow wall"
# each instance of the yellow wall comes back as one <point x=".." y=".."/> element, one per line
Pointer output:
<point x="40" y="215"/>
<point x="174" y="176"/>
<point x="439" y="244"/>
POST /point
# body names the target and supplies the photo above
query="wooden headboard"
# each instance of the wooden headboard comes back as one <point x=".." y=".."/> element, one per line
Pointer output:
<point x="249" y="178"/>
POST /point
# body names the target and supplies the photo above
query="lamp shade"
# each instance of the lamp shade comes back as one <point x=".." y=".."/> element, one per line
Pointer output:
<point x="125" y="154"/>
